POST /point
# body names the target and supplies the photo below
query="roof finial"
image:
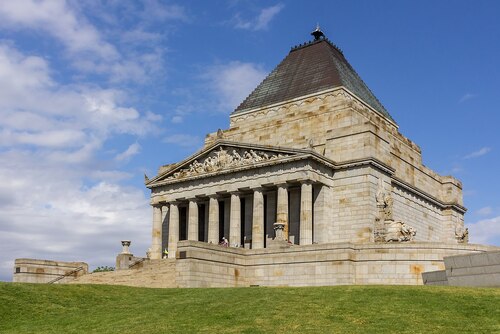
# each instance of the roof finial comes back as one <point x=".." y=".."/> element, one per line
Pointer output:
<point x="317" y="33"/>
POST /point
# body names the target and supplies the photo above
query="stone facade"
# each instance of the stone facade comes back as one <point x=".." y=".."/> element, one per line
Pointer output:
<point x="323" y="169"/>
<point x="481" y="269"/>
<point x="45" y="271"/>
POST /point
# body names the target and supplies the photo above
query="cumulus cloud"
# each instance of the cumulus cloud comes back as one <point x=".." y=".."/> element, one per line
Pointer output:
<point x="261" y="21"/>
<point x="57" y="199"/>
<point x="482" y="151"/>
<point x="59" y="20"/>
<point x="234" y="81"/>
<point x="485" y="231"/>
<point x="485" y="211"/>
<point x="129" y="152"/>
<point x="88" y="48"/>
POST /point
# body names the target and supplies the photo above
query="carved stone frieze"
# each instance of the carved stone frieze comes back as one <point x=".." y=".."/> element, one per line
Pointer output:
<point x="225" y="158"/>
<point x="397" y="231"/>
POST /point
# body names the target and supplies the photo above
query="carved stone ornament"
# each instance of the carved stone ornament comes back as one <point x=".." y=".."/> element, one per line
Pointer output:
<point x="222" y="159"/>
<point x="279" y="229"/>
<point x="462" y="236"/>
<point x="398" y="231"/>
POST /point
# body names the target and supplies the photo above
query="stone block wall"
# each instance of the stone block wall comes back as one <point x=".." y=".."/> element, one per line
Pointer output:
<point x="342" y="128"/>
<point x="202" y="265"/>
<point x="354" y="206"/>
<point x="420" y="214"/>
<point x="474" y="270"/>
<point x="44" y="271"/>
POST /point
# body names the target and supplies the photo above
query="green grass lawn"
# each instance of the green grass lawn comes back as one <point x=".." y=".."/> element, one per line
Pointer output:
<point x="30" y="308"/>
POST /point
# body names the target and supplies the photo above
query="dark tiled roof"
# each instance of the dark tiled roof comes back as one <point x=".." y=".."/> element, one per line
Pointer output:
<point x="309" y="68"/>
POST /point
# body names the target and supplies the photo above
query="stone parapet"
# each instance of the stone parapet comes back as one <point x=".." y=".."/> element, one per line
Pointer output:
<point x="44" y="271"/>
<point x="204" y="265"/>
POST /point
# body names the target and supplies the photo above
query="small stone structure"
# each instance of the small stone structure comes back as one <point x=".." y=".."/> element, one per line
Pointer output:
<point x="467" y="270"/>
<point x="45" y="271"/>
<point x="125" y="260"/>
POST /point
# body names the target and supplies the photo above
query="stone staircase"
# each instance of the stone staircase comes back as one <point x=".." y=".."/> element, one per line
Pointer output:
<point x="151" y="274"/>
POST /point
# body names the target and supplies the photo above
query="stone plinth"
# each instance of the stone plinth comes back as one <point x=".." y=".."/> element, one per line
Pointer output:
<point x="44" y="271"/>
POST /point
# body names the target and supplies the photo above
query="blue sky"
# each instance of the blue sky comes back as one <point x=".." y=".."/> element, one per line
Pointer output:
<point x="94" y="94"/>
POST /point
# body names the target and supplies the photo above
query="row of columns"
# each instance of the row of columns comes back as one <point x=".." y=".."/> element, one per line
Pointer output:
<point x="306" y="219"/>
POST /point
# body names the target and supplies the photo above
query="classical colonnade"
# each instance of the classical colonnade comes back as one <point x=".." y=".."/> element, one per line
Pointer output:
<point x="235" y="217"/>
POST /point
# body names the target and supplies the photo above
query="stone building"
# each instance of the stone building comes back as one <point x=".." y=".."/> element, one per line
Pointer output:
<point x="312" y="184"/>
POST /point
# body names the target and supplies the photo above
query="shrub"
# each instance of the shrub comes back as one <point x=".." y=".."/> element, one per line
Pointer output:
<point x="101" y="269"/>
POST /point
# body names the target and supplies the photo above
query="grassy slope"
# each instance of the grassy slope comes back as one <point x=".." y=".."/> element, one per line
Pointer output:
<point x="27" y="308"/>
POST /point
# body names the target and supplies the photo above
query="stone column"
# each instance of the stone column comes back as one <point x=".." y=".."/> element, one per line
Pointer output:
<point x="235" y="221"/>
<point x="156" y="234"/>
<point x="323" y="213"/>
<point x="258" y="219"/>
<point x="193" y="220"/>
<point x="213" y="220"/>
<point x="282" y="208"/>
<point x="173" y="230"/>
<point x="306" y="217"/>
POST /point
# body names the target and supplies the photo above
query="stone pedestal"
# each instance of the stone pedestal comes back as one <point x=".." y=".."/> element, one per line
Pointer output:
<point x="125" y="246"/>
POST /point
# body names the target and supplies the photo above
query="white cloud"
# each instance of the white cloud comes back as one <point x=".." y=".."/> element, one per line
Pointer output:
<point x="234" y="81"/>
<point x="58" y="199"/>
<point x="177" y="119"/>
<point x="485" y="231"/>
<point x="88" y="47"/>
<point x="183" y="140"/>
<point x="132" y="150"/>
<point x="482" y="151"/>
<point x="466" y="97"/>
<point x="59" y="20"/>
<point x="261" y="21"/>
<point x="485" y="211"/>
<point x="154" y="9"/>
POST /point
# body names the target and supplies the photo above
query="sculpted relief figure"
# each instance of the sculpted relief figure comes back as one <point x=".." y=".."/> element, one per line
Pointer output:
<point x="388" y="206"/>
<point x="462" y="235"/>
<point x="380" y="194"/>
<point x="399" y="232"/>
<point x="222" y="159"/>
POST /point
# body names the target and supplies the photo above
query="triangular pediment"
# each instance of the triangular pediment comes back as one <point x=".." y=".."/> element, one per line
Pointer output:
<point x="223" y="156"/>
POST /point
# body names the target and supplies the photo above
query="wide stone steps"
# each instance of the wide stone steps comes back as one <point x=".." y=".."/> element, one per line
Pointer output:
<point x="152" y="274"/>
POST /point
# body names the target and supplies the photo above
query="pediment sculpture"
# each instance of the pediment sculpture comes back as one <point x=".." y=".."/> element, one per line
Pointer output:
<point x="222" y="159"/>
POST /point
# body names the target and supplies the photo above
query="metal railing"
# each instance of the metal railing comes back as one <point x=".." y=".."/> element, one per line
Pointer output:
<point x="136" y="263"/>
<point x="65" y="275"/>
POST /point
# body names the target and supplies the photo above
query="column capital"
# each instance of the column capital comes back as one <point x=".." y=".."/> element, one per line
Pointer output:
<point x="235" y="192"/>
<point x="305" y="181"/>
<point x="259" y="189"/>
<point x="282" y="185"/>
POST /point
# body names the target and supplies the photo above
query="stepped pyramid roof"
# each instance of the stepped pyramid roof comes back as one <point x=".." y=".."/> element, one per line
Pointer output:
<point x="310" y="68"/>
